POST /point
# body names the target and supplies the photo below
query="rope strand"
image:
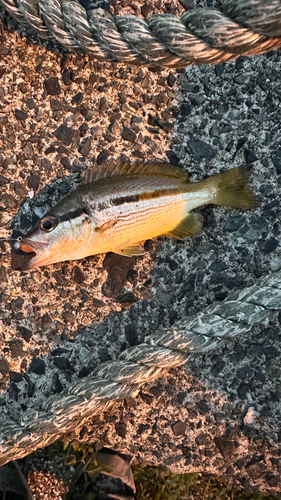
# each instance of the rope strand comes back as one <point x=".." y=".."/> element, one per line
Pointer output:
<point x="202" y="35"/>
<point x="140" y="364"/>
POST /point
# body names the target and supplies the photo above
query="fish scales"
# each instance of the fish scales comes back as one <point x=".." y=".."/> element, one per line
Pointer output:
<point x="152" y="203"/>
<point x="144" y="195"/>
<point x="120" y="209"/>
<point x="140" y="213"/>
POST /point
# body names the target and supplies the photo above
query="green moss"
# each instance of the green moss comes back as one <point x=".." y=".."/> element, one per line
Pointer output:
<point x="154" y="483"/>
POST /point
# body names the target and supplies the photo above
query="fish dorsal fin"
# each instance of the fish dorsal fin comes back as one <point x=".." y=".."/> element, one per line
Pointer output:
<point x="113" y="169"/>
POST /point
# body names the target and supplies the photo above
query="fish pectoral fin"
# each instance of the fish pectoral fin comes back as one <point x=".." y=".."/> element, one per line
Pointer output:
<point x="189" y="226"/>
<point x="107" y="225"/>
<point x="130" y="250"/>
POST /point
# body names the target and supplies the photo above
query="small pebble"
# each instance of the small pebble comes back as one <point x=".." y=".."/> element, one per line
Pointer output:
<point x="64" y="134"/>
<point x="20" y="115"/>
<point x="9" y="201"/>
<point x="128" y="135"/>
<point x="85" y="147"/>
<point x="78" y="98"/>
<point x="102" y="156"/>
<point x="65" y="162"/>
<point x="3" y="181"/>
<point x="33" y="182"/>
<point x="104" y="104"/>
<point x="77" y="275"/>
<point x="52" y="85"/>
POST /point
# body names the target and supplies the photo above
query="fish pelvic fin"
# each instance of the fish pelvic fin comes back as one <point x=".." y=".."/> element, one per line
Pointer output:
<point x="231" y="188"/>
<point x="189" y="226"/>
<point x="130" y="250"/>
<point x="113" y="169"/>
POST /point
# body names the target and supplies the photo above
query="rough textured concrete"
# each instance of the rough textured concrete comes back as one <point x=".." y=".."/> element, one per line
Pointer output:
<point x="194" y="418"/>
<point x="58" y="115"/>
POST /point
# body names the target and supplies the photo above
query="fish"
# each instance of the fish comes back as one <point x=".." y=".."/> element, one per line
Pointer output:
<point x="120" y="206"/>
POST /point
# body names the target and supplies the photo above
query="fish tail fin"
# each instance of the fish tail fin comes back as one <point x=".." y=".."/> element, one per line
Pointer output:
<point x="231" y="188"/>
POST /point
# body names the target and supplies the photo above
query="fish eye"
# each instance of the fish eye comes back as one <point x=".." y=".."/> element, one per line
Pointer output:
<point x="48" y="224"/>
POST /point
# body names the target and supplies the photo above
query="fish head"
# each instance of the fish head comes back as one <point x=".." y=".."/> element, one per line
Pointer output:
<point x="57" y="237"/>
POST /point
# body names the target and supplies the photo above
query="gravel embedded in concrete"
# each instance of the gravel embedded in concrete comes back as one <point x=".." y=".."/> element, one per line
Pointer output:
<point x="225" y="116"/>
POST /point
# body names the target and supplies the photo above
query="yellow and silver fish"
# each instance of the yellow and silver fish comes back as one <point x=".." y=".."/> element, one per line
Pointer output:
<point x="120" y="206"/>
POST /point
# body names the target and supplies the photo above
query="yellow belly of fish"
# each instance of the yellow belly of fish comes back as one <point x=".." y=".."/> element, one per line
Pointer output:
<point x="138" y="227"/>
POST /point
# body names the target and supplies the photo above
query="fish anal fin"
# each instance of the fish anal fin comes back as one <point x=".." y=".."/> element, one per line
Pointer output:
<point x="115" y="169"/>
<point x="136" y="249"/>
<point x="189" y="226"/>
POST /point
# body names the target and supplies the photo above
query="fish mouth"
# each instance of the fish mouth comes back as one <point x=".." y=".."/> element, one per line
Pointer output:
<point x="39" y="250"/>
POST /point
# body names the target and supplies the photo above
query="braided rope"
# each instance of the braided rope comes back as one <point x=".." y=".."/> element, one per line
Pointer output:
<point x="146" y="362"/>
<point x="202" y="35"/>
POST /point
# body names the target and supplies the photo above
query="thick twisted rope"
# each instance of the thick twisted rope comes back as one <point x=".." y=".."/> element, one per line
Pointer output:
<point x="146" y="362"/>
<point x="202" y="35"/>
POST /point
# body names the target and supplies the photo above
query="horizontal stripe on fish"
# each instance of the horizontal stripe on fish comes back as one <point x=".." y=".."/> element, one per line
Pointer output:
<point x="147" y="206"/>
<point x="122" y="200"/>
<point x="125" y="199"/>
<point x="135" y="191"/>
<point x="134" y="211"/>
<point x="123" y="188"/>
<point x="167" y="196"/>
<point x="118" y="201"/>
<point x="72" y="214"/>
